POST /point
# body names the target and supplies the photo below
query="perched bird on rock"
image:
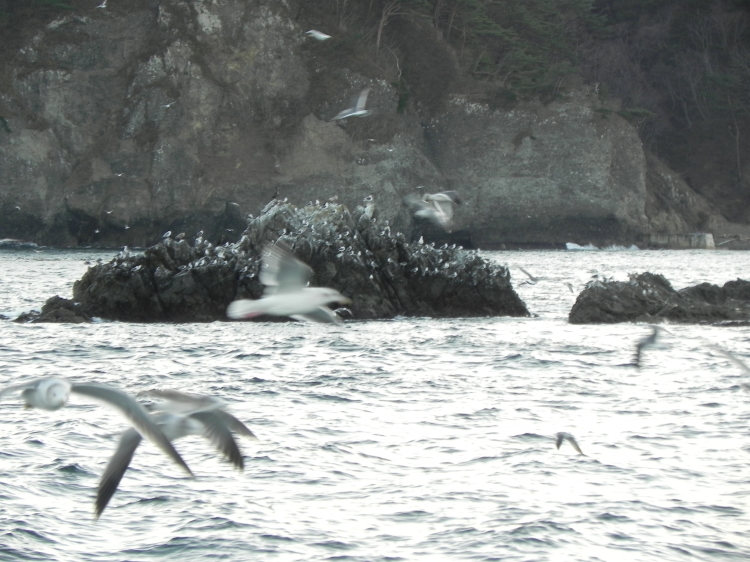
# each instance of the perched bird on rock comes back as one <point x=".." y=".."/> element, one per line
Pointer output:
<point x="563" y="436"/>
<point x="180" y="415"/>
<point x="286" y="293"/>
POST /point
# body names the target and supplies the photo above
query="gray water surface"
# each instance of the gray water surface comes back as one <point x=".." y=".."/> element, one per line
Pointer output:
<point x="410" y="439"/>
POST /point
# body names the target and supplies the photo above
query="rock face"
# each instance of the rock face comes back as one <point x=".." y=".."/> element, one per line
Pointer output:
<point x="358" y="255"/>
<point x="651" y="298"/>
<point x="56" y="310"/>
<point x="539" y="174"/>
<point x="127" y="122"/>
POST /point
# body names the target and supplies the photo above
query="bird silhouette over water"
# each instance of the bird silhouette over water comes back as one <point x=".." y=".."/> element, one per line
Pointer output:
<point x="435" y="207"/>
<point x="179" y="415"/>
<point x="53" y="393"/>
<point x="563" y="436"/>
<point x="286" y="293"/>
<point x="737" y="361"/>
<point x="645" y="343"/>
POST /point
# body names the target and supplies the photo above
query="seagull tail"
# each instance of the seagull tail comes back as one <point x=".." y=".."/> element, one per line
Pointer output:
<point x="243" y="308"/>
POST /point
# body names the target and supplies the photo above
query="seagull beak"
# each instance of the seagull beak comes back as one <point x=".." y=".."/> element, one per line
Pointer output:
<point x="345" y="300"/>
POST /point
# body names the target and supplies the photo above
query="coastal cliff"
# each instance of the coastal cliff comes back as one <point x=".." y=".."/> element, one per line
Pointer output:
<point x="125" y="122"/>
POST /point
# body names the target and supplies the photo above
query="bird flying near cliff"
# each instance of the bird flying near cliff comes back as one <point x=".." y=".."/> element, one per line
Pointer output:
<point x="286" y="293"/>
<point x="357" y="109"/>
<point x="315" y="34"/>
<point x="435" y="207"/>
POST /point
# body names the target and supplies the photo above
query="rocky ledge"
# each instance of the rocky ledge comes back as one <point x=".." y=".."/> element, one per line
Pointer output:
<point x="354" y="253"/>
<point x="650" y="298"/>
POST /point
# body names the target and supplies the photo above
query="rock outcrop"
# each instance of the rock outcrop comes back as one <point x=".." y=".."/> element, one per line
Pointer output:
<point x="125" y="123"/>
<point x="356" y="254"/>
<point x="650" y="298"/>
<point x="56" y="310"/>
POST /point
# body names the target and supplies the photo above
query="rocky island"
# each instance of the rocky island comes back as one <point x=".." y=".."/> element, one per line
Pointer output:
<point x="647" y="297"/>
<point x="356" y="253"/>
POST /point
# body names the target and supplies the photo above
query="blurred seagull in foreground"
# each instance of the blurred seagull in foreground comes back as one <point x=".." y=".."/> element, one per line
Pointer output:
<point x="178" y="416"/>
<point x="53" y="393"/>
<point x="435" y="207"/>
<point x="645" y="343"/>
<point x="563" y="436"/>
<point x="287" y="294"/>
<point x="358" y="109"/>
<point x="315" y="34"/>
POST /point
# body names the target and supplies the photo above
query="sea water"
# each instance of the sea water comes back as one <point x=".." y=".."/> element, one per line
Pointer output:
<point x="405" y="439"/>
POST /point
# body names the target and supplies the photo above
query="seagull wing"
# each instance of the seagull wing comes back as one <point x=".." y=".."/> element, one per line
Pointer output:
<point x="183" y="403"/>
<point x="562" y="436"/>
<point x="16" y="387"/>
<point x="135" y="413"/>
<point x="283" y="272"/>
<point x="217" y="432"/>
<point x="116" y="468"/>
<point x="343" y="114"/>
<point x="234" y="424"/>
<point x="729" y="355"/>
<point x="362" y="99"/>
<point x="572" y="441"/>
<point x="322" y="315"/>
<point x="529" y="275"/>
<point x="444" y="207"/>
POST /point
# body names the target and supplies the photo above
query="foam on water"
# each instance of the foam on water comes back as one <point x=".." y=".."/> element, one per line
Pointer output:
<point x="405" y="439"/>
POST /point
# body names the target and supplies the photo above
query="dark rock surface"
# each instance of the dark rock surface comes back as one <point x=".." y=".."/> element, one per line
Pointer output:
<point x="650" y="298"/>
<point x="127" y="122"/>
<point x="356" y="254"/>
<point x="56" y="310"/>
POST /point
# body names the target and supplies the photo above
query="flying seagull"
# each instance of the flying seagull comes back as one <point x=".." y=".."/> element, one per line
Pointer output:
<point x="563" y="436"/>
<point x="532" y="280"/>
<point x="435" y="207"/>
<point x="358" y="109"/>
<point x="178" y="416"/>
<point x="53" y="393"/>
<point x="286" y="293"/>
<point x="315" y="34"/>
<point x="645" y="343"/>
